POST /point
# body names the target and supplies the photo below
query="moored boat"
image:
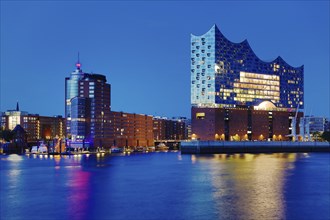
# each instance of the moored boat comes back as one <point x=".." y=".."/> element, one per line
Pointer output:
<point x="117" y="150"/>
<point x="162" y="147"/>
<point x="139" y="149"/>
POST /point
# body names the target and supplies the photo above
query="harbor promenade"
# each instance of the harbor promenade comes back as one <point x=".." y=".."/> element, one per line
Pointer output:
<point x="217" y="147"/>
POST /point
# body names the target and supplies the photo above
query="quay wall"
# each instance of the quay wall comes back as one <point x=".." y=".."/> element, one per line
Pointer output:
<point x="216" y="147"/>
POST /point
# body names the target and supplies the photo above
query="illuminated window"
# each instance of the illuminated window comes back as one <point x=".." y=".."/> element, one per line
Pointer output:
<point x="200" y="115"/>
<point x="257" y="86"/>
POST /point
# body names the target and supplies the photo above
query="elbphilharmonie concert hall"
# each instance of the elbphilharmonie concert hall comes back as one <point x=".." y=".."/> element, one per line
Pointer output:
<point x="229" y="77"/>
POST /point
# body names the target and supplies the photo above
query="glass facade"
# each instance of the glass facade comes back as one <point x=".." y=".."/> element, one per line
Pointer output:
<point x="227" y="74"/>
<point x="71" y="91"/>
<point x="79" y="118"/>
<point x="87" y="107"/>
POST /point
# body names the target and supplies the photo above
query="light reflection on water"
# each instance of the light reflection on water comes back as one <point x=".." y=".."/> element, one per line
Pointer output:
<point x="78" y="193"/>
<point x="164" y="186"/>
<point x="253" y="183"/>
<point x="250" y="185"/>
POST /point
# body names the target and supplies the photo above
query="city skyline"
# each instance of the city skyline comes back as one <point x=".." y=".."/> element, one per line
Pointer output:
<point x="143" y="49"/>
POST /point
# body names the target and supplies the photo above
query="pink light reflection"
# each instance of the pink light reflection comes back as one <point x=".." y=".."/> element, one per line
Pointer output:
<point x="78" y="188"/>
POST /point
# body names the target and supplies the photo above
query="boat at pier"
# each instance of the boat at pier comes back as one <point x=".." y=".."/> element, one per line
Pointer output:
<point x="139" y="149"/>
<point x="42" y="149"/>
<point x="162" y="147"/>
<point x="117" y="150"/>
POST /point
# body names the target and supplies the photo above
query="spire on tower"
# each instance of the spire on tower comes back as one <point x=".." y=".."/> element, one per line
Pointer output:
<point x="17" y="107"/>
<point x="78" y="64"/>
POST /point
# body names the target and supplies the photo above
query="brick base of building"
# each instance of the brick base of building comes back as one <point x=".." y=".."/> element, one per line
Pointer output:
<point x="239" y="124"/>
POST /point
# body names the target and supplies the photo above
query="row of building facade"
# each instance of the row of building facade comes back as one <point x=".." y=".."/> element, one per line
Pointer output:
<point x="90" y="119"/>
<point x="36" y="127"/>
<point x="235" y="96"/>
<point x="119" y="129"/>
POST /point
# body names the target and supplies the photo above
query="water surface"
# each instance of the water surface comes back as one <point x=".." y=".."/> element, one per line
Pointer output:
<point x="166" y="186"/>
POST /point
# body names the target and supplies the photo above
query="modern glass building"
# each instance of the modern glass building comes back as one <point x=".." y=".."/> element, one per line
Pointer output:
<point x="87" y="108"/>
<point x="227" y="74"/>
<point x="236" y="96"/>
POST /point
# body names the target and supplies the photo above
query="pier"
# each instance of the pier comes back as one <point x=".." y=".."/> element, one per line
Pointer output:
<point x="219" y="147"/>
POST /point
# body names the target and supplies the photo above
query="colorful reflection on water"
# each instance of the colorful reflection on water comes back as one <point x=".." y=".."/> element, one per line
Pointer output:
<point x="250" y="185"/>
<point x="166" y="186"/>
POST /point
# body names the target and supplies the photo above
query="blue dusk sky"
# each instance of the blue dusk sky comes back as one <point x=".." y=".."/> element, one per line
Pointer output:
<point x="143" y="48"/>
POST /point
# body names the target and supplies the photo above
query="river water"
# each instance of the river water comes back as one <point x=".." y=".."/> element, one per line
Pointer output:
<point x="165" y="186"/>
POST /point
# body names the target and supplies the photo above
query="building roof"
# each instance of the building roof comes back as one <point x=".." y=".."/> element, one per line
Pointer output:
<point x="246" y="44"/>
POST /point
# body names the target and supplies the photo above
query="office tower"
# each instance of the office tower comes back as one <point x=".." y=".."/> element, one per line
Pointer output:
<point x="87" y="109"/>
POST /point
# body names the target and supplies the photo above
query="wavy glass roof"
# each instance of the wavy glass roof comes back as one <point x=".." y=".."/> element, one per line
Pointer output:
<point x="247" y="46"/>
<point x="224" y="72"/>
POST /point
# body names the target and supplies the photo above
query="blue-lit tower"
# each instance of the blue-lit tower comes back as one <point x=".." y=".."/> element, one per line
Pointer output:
<point x="87" y="109"/>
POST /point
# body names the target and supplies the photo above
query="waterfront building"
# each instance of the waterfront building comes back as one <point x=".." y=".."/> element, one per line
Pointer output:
<point x="90" y="121"/>
<point x="11" y="118"/>
<point x="237" y="96"/>
<point x="317" y="124"/>
<point x="36" y="127"/>
<point x="87" y="109"/>
<point x="131" y="130"/>
<point x="169" y="129"/>
<point x="241" y="124"/>
<point x="188" y="128"/>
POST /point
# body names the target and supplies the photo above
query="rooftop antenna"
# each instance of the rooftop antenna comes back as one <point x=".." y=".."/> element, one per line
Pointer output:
<point x="78" y="64"/>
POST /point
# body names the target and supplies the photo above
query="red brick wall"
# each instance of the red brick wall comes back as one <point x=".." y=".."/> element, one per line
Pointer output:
<point x="203" y="128"/>
<point x="238" y="119"/>
<point x="280" y="125"/>
<point x="260" y="125"/>
<point x="131" y="129"/>
<point x="219" y="125"/>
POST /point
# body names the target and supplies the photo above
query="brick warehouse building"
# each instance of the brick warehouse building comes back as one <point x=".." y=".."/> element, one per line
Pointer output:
<point x="236" y="96"/>
<point x="238" y="124"/>
<point x="131" y="129"/>
<point x="169" y="129"/>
